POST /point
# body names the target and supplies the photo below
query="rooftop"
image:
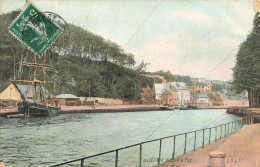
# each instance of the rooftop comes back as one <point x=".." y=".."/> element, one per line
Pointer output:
<point x="66" y="96"/>
<point x="201" y="95"/>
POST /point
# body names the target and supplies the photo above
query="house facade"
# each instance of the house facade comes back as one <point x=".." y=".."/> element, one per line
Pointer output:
<point x="183" y="96"/>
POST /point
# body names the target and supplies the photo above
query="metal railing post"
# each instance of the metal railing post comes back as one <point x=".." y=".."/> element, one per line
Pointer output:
<point x="225" y="130"/>
<point x="221" y="132"/>
<point x="140" y="156"/>
<point x="82" y="163"/>
<point x="195" y="141"/>
<point x="203" y="138"/>
<point x="185" y="143"/>
<point x="228" y="130"/>
<point x="235" y="126"/>
<point x="232" y="128"/>
<point x="160" y="149"/>
<point x="209" y="135"/>
<point x="116" y="159"/>
<point x="216" y="133"/>
<point x="173" y="152"/>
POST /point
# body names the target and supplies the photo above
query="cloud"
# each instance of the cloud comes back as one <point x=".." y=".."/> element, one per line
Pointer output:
<point x="161" y="50"/>
<point x="193" y="15"/>
<point x="224" y="41"/>
<point x="190" y="57"/>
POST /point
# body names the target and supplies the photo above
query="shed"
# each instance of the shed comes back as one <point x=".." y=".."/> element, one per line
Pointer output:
<point x="68" y="100"/>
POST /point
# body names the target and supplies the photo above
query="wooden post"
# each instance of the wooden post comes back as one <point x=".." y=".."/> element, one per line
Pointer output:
<point x="2" y="164"/>
<point x="14" y="67"/>
<point x="34" y="79"/>
<point x="249" y="98"/>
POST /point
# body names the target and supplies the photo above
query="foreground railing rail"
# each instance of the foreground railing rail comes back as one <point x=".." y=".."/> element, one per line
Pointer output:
<point x="227" y="128"/>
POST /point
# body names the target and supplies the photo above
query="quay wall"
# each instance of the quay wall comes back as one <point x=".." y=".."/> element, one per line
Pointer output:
<point x="109" y="109"/>
<point x="245" y="112"/>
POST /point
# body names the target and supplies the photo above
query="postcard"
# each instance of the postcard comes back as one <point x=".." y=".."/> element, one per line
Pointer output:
<point x="129" y="83"/>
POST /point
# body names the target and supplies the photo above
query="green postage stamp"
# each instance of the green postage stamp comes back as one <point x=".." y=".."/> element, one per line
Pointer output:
<point x="34" y="29"/>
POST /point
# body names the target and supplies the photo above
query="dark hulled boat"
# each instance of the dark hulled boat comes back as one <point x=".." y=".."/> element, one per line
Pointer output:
<point x="37" y="110"/>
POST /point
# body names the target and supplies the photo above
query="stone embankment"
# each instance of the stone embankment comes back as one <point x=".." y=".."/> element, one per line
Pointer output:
<point x="92" y="109"/>
<point x="108" y="108"/>
<point x="245" y="112"/>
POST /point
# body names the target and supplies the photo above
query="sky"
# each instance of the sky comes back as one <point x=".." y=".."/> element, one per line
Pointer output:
<point x="199" y="38"/>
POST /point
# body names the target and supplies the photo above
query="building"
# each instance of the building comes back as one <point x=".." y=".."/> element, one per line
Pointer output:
<point x="183" y="96"/>
<point x="196" y="89"/>
<point x="202" y="88"/>
<point x="170" y="97"/>
<point x="68" y="100"/>
<point x="159" y="89"/>
<point x="207" y="88"/>
<point x="19" y="92"/>
<point x="167" y="98"/>
<point x="178" y="84"/>
<point x="202" y="98"/>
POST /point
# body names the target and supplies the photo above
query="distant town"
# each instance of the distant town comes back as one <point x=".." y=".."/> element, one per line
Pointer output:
<point x="199" y="93"/>
<point x="203" y="93"/>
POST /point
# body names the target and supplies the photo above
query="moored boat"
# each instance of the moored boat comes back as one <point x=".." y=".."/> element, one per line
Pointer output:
<point x="37" y="110"/>
<point x="167" y="108"/>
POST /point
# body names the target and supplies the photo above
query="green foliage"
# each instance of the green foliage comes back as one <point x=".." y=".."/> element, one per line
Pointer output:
<point x="158" y="80"/>
<point x="87" y="64"/>
<point x="216" y="87"/>
<point x="169" y="77"/>
<point x="247" y="69"/>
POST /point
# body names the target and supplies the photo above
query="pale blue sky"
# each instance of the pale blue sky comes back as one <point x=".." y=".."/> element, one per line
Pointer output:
<point x="186" y="37"/>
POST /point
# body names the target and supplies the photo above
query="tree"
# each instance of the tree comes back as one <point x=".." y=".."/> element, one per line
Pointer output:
<point x="246" y="73"/>
<point x="85" y="64"/>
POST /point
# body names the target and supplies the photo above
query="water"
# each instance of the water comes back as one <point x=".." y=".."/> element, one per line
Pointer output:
<point x="48" y="141"/>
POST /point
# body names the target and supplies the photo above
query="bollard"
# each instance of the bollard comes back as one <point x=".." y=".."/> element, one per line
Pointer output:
<point x="2" y="164"/>
<point x="217" y="159"/>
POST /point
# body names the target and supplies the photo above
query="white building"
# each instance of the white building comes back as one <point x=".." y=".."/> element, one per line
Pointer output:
<point x="178" y="84"/>
<point x="202" y="98"/>
<point x="159" y="89"/>
<point x="183" y="96"/>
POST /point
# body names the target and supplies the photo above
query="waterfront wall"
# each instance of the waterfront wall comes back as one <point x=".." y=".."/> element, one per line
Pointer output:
<point x="107" y="109"/>
<point x="245" y="112"/>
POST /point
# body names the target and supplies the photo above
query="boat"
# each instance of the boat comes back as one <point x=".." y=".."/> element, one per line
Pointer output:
<point x="37" y="106"/>
<point x="37" y="110"/>
<point x="189" y="107"/>
<point x="177" y="107"/>
<point x="167" y="107"/>
<point x="183" y="107"/>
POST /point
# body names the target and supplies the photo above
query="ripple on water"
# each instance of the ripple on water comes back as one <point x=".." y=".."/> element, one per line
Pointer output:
<point x="47" y="141"/>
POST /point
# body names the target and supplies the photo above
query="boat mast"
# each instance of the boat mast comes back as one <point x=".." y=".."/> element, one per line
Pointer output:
<point x="44" y="69"/>
<point x="34" y="79"/>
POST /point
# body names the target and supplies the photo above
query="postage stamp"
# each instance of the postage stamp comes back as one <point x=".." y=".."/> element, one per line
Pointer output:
<point x="35" y="30"/>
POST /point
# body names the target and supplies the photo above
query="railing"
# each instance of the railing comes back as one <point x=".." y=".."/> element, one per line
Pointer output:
<point x="227" y="128"/>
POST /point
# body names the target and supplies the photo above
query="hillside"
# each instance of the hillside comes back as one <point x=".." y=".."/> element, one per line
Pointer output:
<point x="85" y="64"/>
